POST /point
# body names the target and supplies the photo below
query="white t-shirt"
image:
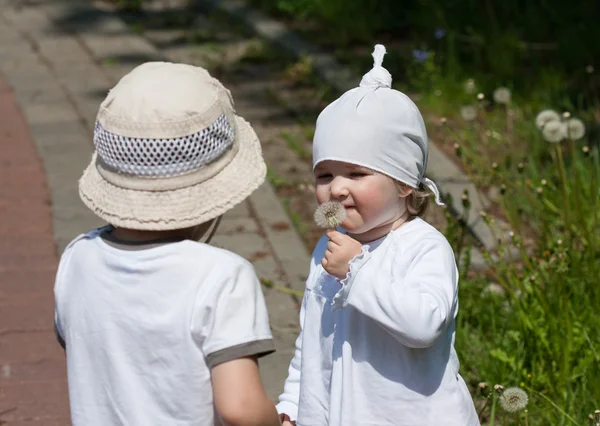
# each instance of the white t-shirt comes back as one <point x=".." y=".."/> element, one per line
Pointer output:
<point x="144" y="325"/>
<point x="377" y="348"/>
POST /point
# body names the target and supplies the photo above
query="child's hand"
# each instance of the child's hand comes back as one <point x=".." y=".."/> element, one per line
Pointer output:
<point x="285" y="420"/>
<point x="341" y="249"/>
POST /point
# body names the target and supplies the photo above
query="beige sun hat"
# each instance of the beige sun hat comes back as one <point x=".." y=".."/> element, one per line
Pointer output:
<point x="170" y="151"/>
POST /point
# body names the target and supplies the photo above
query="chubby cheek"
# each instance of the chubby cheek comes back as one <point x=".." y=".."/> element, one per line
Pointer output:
<point x="379" y="204"/>
<point x="321" y="193"/>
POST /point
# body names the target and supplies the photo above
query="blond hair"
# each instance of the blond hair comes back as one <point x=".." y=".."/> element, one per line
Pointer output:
<point x="417" y="202"/>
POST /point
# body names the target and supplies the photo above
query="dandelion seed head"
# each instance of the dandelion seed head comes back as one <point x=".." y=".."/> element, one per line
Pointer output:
<point x="438" y="93"/>
<point x="514" y="399"/>
<point x="330" y="215"/>
<point x="544" y="182"/>
<point x="494" y="289"/>
<point x="483" y="385"/>
<point x="468" y="112"/>
<point x="589" y="69"/>
<point x="566" y="114"/>
<point x="443" y="120"/>
<point x="554" y="131"/>
<point x="545" y="117"/>
<point x="502" y="95"/>
<point x="575" y="129"/>
<point x="498" y="387"/>
<point x="585" y="149"/>
<point x="494" y="165"/>
<point x="539" y="190"/>
<point x="470" y="86"/>
<point x="480" y="96"/>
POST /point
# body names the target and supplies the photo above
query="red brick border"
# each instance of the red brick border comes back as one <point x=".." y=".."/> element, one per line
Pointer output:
<point x="33" y="387"/>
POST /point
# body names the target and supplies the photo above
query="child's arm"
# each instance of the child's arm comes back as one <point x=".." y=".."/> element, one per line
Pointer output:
<point x="239" y="396"/>
<point x="414" y="308"/>
<point x="231" y="325"/>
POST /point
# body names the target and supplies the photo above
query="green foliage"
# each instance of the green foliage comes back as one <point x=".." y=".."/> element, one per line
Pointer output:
<point x="543" y="333"/>
<point x="511" y="42"/>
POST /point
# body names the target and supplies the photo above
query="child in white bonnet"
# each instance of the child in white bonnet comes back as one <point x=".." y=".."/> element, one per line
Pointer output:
<point x="159" y="328"/>
<point x="376" y="345"/>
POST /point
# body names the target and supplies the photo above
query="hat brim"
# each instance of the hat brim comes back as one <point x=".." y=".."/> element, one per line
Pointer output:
<point x="180" y="208"/>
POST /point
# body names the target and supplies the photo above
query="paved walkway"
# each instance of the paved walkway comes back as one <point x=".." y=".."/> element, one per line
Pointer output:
<point x="32" y="371"/>
<point x="55" y="68"/>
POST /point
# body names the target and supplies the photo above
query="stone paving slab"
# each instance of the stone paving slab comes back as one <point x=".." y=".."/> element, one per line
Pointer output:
<point x="62" y="58"/>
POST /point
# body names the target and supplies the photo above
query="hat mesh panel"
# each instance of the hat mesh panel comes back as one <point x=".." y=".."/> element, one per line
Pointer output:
<point x="163" y="157"/>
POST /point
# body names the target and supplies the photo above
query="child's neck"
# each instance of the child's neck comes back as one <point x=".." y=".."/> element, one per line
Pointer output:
<point x="134" y="235"/>
<point x="382" y="230"/>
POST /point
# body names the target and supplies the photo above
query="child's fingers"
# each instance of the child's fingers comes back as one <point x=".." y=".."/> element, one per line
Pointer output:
<point x="331" y="246"/>
<point x="335" y="236"/>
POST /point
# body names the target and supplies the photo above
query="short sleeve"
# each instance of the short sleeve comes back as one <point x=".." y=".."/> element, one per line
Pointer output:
<point x="232" y="322"/>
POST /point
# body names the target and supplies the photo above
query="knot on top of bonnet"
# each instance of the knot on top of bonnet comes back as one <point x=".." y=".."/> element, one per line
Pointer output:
<point x="378" y="76"/>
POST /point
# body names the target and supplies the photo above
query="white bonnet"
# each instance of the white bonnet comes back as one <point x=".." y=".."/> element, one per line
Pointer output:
<point x="377" y="127"/>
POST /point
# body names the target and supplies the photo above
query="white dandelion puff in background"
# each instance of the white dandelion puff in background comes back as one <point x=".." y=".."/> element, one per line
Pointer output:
<point x="494" y="289"/>
<point x="502" y="95"/>
<point x="470" y="86"/>
<point x="554" y="131"/>
<point x="468" y="112"/>
<point x="545" y="117"/>
<point x="330" y="215"/>
<point x="575" y="129"/>
<point x="514" y="399"/>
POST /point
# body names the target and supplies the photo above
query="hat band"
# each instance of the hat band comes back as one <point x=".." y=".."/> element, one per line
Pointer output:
<point x="191" y="178"/>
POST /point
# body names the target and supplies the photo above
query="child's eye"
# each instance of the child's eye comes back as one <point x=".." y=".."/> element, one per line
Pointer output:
<point x="357" y="174"/>
<point x="324" y="176"/>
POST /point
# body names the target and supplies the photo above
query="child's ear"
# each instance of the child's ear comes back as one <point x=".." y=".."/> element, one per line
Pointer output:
<point x="404" y="191"/>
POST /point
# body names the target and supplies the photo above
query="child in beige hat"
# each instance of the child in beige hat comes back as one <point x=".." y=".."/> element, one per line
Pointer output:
<point x="159" y="328"/>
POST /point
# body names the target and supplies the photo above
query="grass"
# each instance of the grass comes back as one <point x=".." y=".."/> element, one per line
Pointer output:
<point x="295" y="217"/>
<point x="277" y="181"/>
<point x="544" y="333"/>
<point x="296" y="145"/>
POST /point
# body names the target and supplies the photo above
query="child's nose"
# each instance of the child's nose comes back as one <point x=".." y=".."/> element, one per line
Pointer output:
<point x="339" y="189"/>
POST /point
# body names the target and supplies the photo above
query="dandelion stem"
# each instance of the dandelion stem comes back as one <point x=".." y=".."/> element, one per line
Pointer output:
<point x="556" y="407"/>
<point x="563" y="178"/>
<point x="493" y="412"/>
<point x="575" y="174"/>
<point x="482" y="408"/>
